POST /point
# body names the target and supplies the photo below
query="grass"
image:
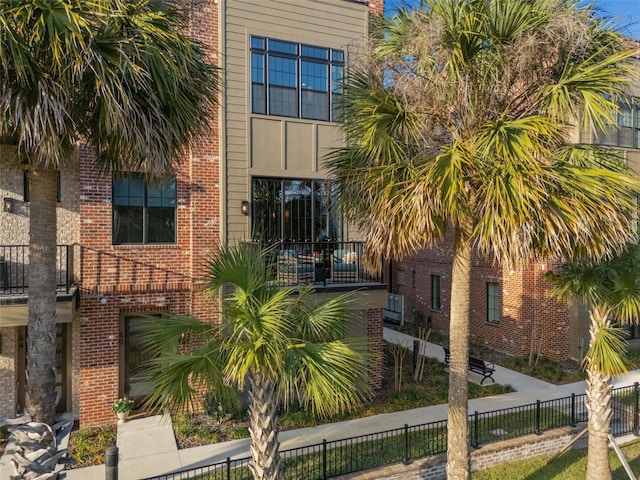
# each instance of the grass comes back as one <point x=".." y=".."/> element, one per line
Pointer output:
<point x="391" y="447"/>
<point x="87" y="446"/>
<point x="572" y="465"/>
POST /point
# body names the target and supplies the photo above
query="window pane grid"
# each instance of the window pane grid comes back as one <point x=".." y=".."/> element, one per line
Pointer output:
<point x="493" y="303"/>
<point x="626" y="131"/>
<point x="294" y="210"/>
<point x="293" y="86"/>
<point x="143" y="213"/>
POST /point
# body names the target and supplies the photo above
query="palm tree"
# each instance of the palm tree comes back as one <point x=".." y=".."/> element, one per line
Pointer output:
<point x="457" y="124"/>
<point x="611" y="291"/>
<point x="276" y="341"/>
<point x="116" y="75"/>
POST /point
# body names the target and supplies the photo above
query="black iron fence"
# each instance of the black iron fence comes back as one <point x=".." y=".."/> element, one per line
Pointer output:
<point x="14" y="269"/>
<point x="319" y="263"/>
<point x="340" y="457"/>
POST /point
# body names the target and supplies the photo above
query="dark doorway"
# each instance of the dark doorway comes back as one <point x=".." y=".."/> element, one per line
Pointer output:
<point x="134" y="384"/>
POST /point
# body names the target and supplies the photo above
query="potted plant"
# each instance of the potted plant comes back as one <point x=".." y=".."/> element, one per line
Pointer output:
<point x="121" y="408"/>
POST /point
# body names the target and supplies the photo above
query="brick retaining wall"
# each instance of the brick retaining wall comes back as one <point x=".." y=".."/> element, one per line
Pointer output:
<point x="487" y="456"/>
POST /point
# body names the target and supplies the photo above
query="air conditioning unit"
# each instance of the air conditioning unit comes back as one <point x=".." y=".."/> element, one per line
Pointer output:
<point x="395" y="308"/>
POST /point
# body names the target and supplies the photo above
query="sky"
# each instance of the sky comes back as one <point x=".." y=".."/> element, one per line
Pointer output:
<point x="625" y="12"/>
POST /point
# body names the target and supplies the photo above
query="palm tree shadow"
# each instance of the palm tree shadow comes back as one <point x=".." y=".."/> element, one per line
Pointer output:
<point x="557" y="467"/>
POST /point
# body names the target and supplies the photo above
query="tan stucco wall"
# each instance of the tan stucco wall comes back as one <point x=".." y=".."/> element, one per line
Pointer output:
<point x="267" y="145"/>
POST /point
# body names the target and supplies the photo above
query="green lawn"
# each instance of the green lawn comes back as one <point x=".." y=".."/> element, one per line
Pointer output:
<point x="571" y="465"/>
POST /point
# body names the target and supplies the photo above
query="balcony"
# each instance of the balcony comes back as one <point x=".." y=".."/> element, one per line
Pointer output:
<point x="14" y="281"/>
<point x="14" y="271"/>
<point x="320" y="264"/>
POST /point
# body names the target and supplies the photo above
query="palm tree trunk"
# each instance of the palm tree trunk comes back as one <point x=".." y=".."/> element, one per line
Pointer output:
<point x="41" y="330"/>
<point x="458" y="464"/>
<point x="598" y="404"/>
<point x="265" y="455"/>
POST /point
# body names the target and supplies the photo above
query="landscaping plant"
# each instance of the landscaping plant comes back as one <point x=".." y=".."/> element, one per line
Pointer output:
<point x="120" y="77"/>
<point x="278" y="343"/>
<point x="458" y="121"/>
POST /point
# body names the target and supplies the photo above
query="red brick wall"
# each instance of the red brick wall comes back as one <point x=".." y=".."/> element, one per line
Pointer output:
<point x="524" y="296"/>
<point x="138" y="278"/>
<point x="373" y="318"/>
<point x="376" y="7"/>
<point x="100" y="346"/>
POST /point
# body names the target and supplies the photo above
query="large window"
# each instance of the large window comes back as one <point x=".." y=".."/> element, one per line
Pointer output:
<point x="295" y="80"/>
<point x="294" y="210"/>
<point x="143" y="211"/>
<point x="626" y="132"/>
<point x="435" y="292"/>
<point x="493" y="302"/>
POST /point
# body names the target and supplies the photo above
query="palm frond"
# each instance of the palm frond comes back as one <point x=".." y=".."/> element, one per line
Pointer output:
<point x="326" y="378"/>
<point x="607" y="352"/>
<point x="120" y="75"/>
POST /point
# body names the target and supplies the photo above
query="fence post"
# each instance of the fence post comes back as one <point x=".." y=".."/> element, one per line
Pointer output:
<point x="538" y="430"/>
<point x="636" y="399"/>
<point x="406" y="445"/>
<point x="476" y="430"/>
<point x="324" y="459"/>
<point x="111" y="463"/>
<point x="228" y="468"/>
<point x="416" y="349"/>
<point x="573" y="410"/>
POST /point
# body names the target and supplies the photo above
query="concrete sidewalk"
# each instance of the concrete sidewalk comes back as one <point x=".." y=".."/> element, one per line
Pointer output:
<point x="147" y="446"/>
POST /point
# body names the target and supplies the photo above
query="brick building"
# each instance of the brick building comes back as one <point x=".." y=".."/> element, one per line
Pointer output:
<point x="511" y="309"/>
<point x="129" y="246"/>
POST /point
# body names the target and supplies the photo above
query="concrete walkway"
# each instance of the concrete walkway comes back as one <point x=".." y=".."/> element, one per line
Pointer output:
<point x="147" y="446"/>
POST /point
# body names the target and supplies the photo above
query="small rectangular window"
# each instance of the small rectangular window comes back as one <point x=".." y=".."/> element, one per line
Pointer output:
<point x="143" y="212"/>
<point x="315" y="98"/>
<point x="258" y="92"/>
<point x="283" y="47"/>
<point x="315" y="52"/>
<point x="436" y="303"/>
<point x="258" y="43"/>
<point x="493" y="302"/>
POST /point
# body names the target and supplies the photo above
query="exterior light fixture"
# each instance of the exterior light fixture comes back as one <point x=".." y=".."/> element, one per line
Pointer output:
<point x="245" y="207"/>
<point x="7" y="205"/>
<point x="102" y="299"/>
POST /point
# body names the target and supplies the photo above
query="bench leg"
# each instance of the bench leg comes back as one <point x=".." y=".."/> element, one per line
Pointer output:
<point x="488" y="376"/>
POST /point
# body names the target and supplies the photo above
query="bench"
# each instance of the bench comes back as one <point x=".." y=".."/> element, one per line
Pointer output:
<point x="476" y="365"/>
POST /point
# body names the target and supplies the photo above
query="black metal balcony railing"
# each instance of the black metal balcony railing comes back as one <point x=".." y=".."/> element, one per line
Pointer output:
<point x="319" y="263"/>
<point x="14" y="269"/>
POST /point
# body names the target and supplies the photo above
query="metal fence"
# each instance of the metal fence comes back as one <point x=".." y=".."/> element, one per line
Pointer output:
<point x="14" y="269"/>
<point x="318" y="263"/>
<point x="348" y="455"/>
